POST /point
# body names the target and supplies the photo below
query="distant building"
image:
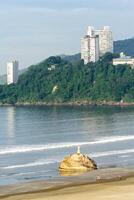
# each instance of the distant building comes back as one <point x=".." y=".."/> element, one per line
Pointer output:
<point x="123" y="59"/>
<point x="105" y="40"/>
<point x="96" y="43"/>
<point x="12" y="72"/>
<point x="53" y="67"/>
<point x="90" y="47"/>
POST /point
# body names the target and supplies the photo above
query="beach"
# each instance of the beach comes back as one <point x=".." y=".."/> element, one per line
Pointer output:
<point x="122" y="190"/>
<point x="103" y="184"/>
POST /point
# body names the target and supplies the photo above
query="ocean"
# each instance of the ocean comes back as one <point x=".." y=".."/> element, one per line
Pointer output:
<point x="34" y="139"/>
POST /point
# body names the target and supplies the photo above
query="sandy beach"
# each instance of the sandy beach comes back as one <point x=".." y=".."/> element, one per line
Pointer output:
<point x="123" y="190"/>
<point x="112" y="184"/>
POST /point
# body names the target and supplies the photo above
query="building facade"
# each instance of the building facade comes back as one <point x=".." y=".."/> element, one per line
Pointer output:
<point x="123" y="59"/>
<point x="90" y="47"/>
<point x="96" y="43"/>
<point x="12" y="72"/>
<point x="105" y="40"/>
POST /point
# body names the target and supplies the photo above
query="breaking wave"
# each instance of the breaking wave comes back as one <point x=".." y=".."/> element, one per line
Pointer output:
<point x="112" y="153"/>
<point x="93" y="155"/>
<point x="31" y="148"/>
<point x="32" y="164"/>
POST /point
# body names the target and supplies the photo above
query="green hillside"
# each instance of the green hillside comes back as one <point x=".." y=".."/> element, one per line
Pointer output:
<point x="57" y="80"/>
<point x="72" y="58"/>
<point x="126" y="46"/>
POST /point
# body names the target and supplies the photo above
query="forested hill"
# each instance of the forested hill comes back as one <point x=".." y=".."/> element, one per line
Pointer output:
<point x="55" y="80"/>
<point x="126" y="46"/>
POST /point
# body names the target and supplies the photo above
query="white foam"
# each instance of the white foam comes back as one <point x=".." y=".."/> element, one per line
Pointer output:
<point x="50" y="161"/>
<point x="32" y="164"/>
<point x="31" y="148"/>
<point x="111" y="153"/>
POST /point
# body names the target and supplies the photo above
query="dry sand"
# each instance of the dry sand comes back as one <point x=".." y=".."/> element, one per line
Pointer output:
<point x="115" y="190"/>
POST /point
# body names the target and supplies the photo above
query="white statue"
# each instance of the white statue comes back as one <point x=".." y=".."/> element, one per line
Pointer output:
<point x="78" y="150"/>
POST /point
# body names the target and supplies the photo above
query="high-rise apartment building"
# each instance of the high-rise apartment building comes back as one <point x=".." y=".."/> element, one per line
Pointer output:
<point x="90" y="47"/>
<point x="12" y="72"/>
<point x="96" y="43"/>
<point x="105" y="40"/>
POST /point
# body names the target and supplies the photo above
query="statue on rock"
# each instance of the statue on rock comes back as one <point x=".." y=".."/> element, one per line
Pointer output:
<point x="77" y="162"/>
<point x="78" y="150"/>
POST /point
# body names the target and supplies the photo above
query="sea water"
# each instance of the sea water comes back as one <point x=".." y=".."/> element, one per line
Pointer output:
<point x="34" y="139"/>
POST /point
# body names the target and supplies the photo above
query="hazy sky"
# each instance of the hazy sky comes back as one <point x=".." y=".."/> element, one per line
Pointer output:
<point x="31" y="30"/>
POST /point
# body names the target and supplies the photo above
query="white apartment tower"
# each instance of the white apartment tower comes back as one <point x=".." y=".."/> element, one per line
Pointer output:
<point x="96" y="43"/>
<point x="105" y="40"/>
<point x="90" y="47"/>
<point x="12" y="72"/>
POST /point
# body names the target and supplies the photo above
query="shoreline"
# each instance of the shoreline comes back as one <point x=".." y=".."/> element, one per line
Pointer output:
<point x="47" y="187"/>
<point x="75" y="103"/>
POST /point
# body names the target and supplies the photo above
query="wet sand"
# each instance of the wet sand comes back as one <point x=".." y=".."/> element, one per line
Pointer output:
<point x="106" y="184"/>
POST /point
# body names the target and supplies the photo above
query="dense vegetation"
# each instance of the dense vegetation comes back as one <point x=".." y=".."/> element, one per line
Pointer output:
<point x="72" y="58"/>
<point x="99" y="81"/>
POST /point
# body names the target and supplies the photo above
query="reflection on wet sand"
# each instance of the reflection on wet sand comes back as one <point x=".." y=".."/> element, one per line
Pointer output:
<point x="71" y="173"/>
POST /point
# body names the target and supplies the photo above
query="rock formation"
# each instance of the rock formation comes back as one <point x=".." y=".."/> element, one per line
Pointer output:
<point x="77" y="162"/>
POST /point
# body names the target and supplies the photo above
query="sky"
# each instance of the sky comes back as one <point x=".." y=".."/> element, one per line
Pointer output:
<point x="32" y="30"/>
